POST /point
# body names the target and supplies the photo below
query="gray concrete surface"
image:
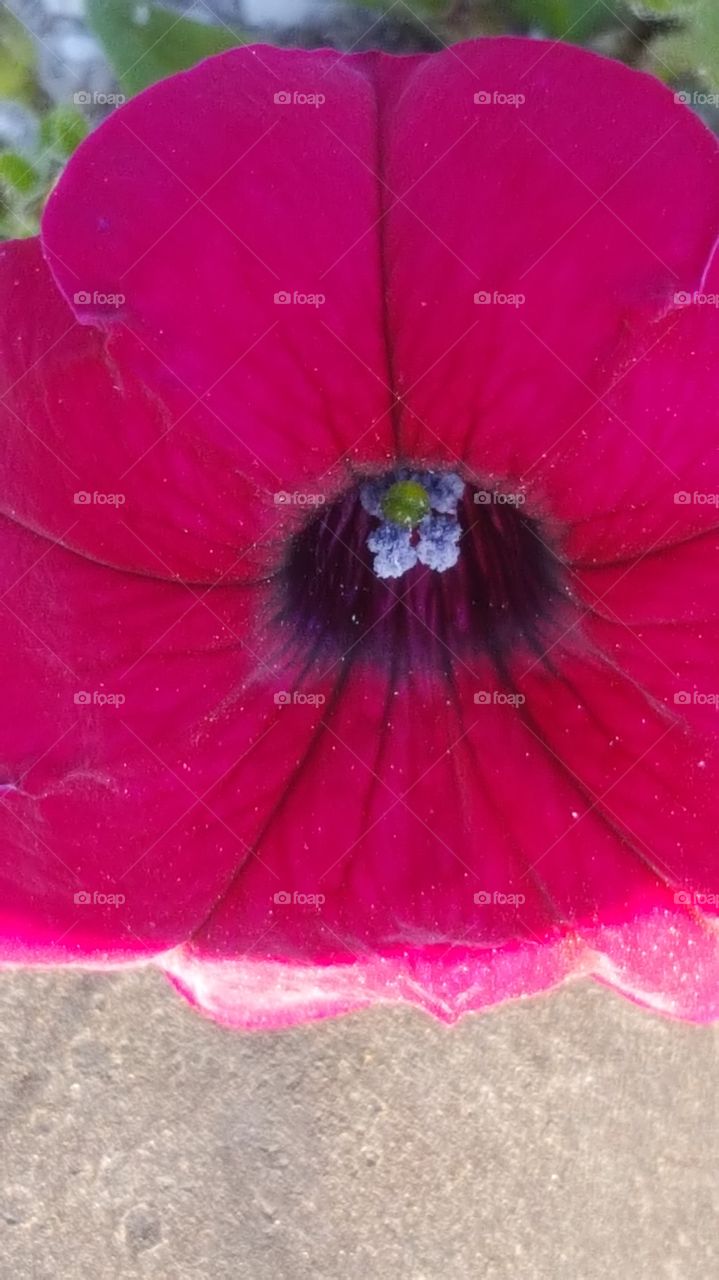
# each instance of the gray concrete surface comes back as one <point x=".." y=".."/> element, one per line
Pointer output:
<point x="571" y="1137"/>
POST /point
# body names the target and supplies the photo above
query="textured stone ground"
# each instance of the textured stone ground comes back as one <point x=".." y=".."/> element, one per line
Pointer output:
<point x="571" y="1137"/>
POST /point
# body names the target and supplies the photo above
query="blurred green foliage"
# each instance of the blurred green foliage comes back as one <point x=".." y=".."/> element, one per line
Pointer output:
<point x="61" y="132"/>
<point x="571" y="20"/>
<point x="17" y="61"/>
<point x="664" y="8"/>
<point x="26" y="179"/>
<point x="145" y="43"/>
<point x="17" y="176"/>
<point x="692" y="51"/>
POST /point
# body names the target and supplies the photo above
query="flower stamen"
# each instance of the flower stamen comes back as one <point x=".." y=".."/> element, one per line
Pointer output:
<point x="418" y="521"/>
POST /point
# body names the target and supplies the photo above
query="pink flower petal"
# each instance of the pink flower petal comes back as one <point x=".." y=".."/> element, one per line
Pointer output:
<point x="559" y="214"/>
<point x="402" y="831"/>
<point x="244" y="245"/>
<point x="666" y="963"/>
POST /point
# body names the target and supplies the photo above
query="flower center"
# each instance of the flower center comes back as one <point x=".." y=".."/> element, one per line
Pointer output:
<point x="418" y="521"/>
<point x="420" y="569"/>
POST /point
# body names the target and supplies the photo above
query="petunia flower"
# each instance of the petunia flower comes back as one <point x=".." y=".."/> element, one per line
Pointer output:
<point x="360" y="538"/>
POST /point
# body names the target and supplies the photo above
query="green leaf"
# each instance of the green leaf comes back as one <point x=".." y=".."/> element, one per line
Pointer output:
<point x="694" y="49"/>
<point x="17" y="176"/>
<point x="662" y="8"/>
<point x="20" y="187"/>
<point x="15" y="225"/>
<point x="17" y="61"/>
<point x="571" y="20"/>
<point x="62" y="130"/>
<point x="144" y="44"/>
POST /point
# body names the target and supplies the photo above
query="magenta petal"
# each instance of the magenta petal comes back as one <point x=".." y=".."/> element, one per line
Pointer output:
<point x="259" y="227"/>
<point x="76" y="423"/>
<point x="666" y="963"/>
<point x="311" y="792"/>
<point x="105" y="788"/>
<point x="526" y="242"/>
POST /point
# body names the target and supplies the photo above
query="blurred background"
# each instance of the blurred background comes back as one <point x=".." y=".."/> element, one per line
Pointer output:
<point x="65" y="63"/>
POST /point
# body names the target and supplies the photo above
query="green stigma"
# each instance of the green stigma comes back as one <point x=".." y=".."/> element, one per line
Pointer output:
<point x="405" y="503"/>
